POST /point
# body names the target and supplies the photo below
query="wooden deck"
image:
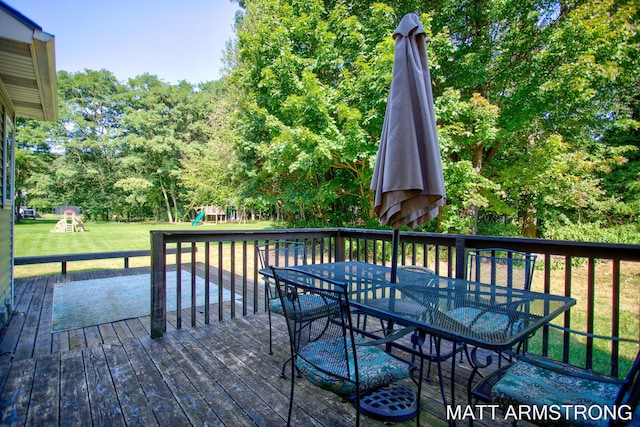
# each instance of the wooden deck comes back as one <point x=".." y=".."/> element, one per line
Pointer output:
<point x="115" y="374"/>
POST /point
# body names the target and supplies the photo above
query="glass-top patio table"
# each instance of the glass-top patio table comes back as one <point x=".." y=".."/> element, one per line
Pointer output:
<point x="482" y="315"/>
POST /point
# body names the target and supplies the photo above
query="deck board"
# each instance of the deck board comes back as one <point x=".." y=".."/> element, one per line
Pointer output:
<point x="108" y="333"/>
<point x="135" y="407"/>
<point x="75" y="407"/>
<point x="16" y="392"/>
<point x="211" y="374"/>
<point x="42" y="346"/>
<point x="105" y="408"/>
<point x="154" y="382"/>
<point x="45" y="397"/>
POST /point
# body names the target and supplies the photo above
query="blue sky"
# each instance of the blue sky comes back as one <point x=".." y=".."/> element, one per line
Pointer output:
<point x="175" y="40"/>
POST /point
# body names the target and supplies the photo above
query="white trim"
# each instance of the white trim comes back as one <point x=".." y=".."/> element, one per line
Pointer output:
<point x="5" y="101"/>
<point x="9" y="164"/>
<point x="11" y="28"/>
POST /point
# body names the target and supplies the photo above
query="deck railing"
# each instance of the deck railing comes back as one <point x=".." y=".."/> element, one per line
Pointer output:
<point x="64" y="259"/>
<point x="605" y="276"/>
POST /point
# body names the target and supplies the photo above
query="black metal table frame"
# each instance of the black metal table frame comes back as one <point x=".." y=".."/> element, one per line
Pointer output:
<point x="414" y="286"/>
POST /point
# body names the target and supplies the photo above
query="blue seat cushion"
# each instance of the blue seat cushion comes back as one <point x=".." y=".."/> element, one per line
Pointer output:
<point x="403" y="307"/>
<point x="484" y="321"/>
<point x="312" y="304"/>
<point x="376" y="367"/>
<point x="532" y="385"/>
<point x="275" y="306"/>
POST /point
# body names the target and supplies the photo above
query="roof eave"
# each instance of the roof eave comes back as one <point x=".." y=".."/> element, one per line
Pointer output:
<point x="44" y="60"/>
<point x="28" y="66"/>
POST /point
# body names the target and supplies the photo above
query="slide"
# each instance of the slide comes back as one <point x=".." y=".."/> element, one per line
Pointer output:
<point x="198" y="219"/>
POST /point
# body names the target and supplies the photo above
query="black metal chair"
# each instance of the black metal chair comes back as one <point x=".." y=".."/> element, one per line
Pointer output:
<point x="410" y="309"/>
<point x="325" y="349"/>
<point x="279" y="253"/>
<point x="496" y="266"/>
<point x="535" y="381"/>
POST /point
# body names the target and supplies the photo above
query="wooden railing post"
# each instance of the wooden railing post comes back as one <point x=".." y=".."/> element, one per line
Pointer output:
<point x="158" y="285"/>
<point x="460" y="247"/>
<point x="340" y="248"/>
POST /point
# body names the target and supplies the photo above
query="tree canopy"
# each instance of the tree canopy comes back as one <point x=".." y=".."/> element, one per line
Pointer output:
<point x="537" y="106"/>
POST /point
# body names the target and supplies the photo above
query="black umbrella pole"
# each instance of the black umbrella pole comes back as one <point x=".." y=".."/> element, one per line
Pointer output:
<point x="395" y="243"/>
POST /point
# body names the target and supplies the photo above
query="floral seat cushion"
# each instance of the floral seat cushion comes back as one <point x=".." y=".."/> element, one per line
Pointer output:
<point x="376" y="367"/>
<point x="485" y="321"/>
<point x="402" y="307"/>
<point x="531" y="385"/>
<point x="311" y="303"/>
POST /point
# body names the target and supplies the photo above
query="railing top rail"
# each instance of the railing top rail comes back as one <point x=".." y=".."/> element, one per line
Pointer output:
<point x="553" y="247"/>
<point x="175" y="236"/>
<point x="46" y="259"/>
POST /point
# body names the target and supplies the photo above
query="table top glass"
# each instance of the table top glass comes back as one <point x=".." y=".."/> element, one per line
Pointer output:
<point x="481" y="314"/>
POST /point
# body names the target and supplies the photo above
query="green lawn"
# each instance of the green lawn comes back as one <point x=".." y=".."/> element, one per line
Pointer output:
<point x="34" y="237"/>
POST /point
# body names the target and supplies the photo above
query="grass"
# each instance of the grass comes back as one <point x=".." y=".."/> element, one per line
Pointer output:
<point x="629" y="326"/>
<point x="34" y="237"/>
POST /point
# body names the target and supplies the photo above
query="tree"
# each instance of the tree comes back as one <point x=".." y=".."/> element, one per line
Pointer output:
<point x="554" y="71"/>
<point x="536" y="104"/>
<point x="305" y="112"/>
<point x="33" y="161"/>
<point x="468" y="136"/>
<point x="87" y="132"/>
<point x="207" y="167"/>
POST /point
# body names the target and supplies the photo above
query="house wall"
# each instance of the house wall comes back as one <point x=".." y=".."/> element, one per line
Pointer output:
<point x="6" y="211"/>
<point x="5" y="266"/>
<point x="28" y="87"/>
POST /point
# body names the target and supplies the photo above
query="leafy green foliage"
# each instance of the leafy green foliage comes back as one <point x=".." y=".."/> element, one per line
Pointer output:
<point x="537" y="109"/>
<point x="118" y="150"/>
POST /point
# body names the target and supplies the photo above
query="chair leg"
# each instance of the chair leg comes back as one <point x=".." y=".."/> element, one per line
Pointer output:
<point x="439" y="366"/>
<point x="266" y="302"/>
<point x="357" y="408"/>
<point x="421" y="373"/>
<point x="284" y="367"/>
<point x="270" y="335"/>
<point x="291" y="394"/>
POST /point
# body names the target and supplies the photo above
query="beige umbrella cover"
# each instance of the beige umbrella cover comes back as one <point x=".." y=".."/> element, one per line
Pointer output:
<point x="407" y="177"/>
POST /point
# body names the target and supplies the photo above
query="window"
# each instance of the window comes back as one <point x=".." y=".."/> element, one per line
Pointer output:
<point x="9" y="137"/>
<point x="2" y="132"/>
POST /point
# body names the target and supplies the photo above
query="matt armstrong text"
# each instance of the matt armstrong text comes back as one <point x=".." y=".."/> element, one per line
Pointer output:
<point x="574" y="413"/>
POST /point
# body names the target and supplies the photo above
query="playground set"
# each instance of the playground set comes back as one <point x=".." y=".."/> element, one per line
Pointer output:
<point x="70" y="223"/>
<point x="213" y="214"/>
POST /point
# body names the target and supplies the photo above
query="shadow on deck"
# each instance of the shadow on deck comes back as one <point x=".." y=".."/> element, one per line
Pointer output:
<point x="115" y="374"/>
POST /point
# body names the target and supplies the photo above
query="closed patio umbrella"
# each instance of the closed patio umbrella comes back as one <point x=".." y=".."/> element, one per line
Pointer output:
<point x="407" y="178"/>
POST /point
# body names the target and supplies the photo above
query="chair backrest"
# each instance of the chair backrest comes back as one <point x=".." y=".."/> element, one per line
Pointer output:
<point x="318" y="316"/>
<point x="629" y="394"/>
<point x="502" y="267"/>
<point x="282" y="253"/>
<point x="416" y="268"/>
